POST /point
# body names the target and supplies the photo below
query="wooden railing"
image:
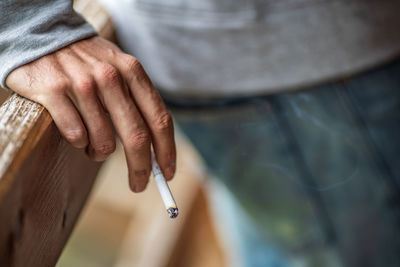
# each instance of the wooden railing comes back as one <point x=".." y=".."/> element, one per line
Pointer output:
<point x="44" y="181"/>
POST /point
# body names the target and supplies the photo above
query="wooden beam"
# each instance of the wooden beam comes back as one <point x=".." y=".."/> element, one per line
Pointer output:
<point x="44" y="182"/>
<point x="42" y="191"/>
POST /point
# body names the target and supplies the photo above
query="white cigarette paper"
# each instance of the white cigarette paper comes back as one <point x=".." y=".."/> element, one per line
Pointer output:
<point x="163" y="188"/>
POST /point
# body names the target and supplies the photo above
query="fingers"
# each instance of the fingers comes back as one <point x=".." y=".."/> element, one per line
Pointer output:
<point x="148" y="102"/>
<point x="84" y="95"/>
<point x="128" y="122"/>
<point x="115" y="97"/>
<point x="154" y="113"/>
<point x="67" y="120"/>
<point x="126" y="117"/>
<point x="92" y="77"/>
<point x="102" y="141"/>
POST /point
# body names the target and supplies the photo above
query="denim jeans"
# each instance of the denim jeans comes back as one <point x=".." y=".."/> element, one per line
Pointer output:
<point x="318" y="171"/>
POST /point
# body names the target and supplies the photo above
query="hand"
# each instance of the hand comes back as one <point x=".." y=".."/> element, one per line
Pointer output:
<point x="84" y="81"/>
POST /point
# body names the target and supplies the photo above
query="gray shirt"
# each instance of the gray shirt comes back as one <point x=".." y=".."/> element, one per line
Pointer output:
<point x="218" y="47"/>
<point x="30" y="29"/>
<point x="239" y="47"/>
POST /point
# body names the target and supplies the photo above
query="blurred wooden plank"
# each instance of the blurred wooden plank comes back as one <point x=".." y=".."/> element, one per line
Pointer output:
<point x="198" y="244"/>
<point x="95" y="14"/>
<point x="44" y="182"/>
<point x="98" y="235"/>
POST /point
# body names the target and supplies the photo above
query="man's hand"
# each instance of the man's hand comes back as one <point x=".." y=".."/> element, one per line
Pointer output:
<point x="84" y="81"/>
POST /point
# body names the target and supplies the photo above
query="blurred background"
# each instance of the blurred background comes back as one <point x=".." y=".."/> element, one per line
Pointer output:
<point x="120" y="228"/>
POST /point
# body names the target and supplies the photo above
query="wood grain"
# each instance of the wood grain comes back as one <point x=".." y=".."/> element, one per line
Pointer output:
<point x="46" y="190"/>
<point x="44" y="182"/>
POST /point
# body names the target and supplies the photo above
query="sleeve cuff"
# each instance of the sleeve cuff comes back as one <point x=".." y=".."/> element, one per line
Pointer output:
<point x="29" y="34"/>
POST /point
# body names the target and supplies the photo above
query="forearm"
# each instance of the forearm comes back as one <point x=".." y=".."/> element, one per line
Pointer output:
<point x="32" y="29"/>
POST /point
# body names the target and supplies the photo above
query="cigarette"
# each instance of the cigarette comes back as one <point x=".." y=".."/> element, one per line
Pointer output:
<point x="163" y="188"/>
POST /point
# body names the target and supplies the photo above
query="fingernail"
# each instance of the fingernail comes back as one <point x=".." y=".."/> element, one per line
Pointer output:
<point x="133" y="188"/>
<point x="136" y="188"/>
<point x="169" y="172"/>
<point x="139" y="180"/>
<point x="140" y="187"/>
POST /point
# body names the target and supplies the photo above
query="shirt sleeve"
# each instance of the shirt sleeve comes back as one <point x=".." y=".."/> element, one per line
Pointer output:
<point x="30" y="29"/>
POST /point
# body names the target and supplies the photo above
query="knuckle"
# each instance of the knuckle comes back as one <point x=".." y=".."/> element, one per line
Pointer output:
<point x="135" y="69"/>
<point x="144" y="173"/>
<point x="105" y="148"/>
<point x="162" y="122"/>
<point x="109" y="74"/>
<point x="133" y="64"/>
<point x="75" y="136"/>
<point x="61" y="86"/>
<point x="112" y="51"/>
<point x="138" y="140"/>
<point x="86" y="86"/>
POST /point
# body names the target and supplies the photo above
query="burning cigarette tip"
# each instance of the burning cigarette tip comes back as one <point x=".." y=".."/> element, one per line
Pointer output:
<point x="173" y="213"/>
<point x="164" y="190"/>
